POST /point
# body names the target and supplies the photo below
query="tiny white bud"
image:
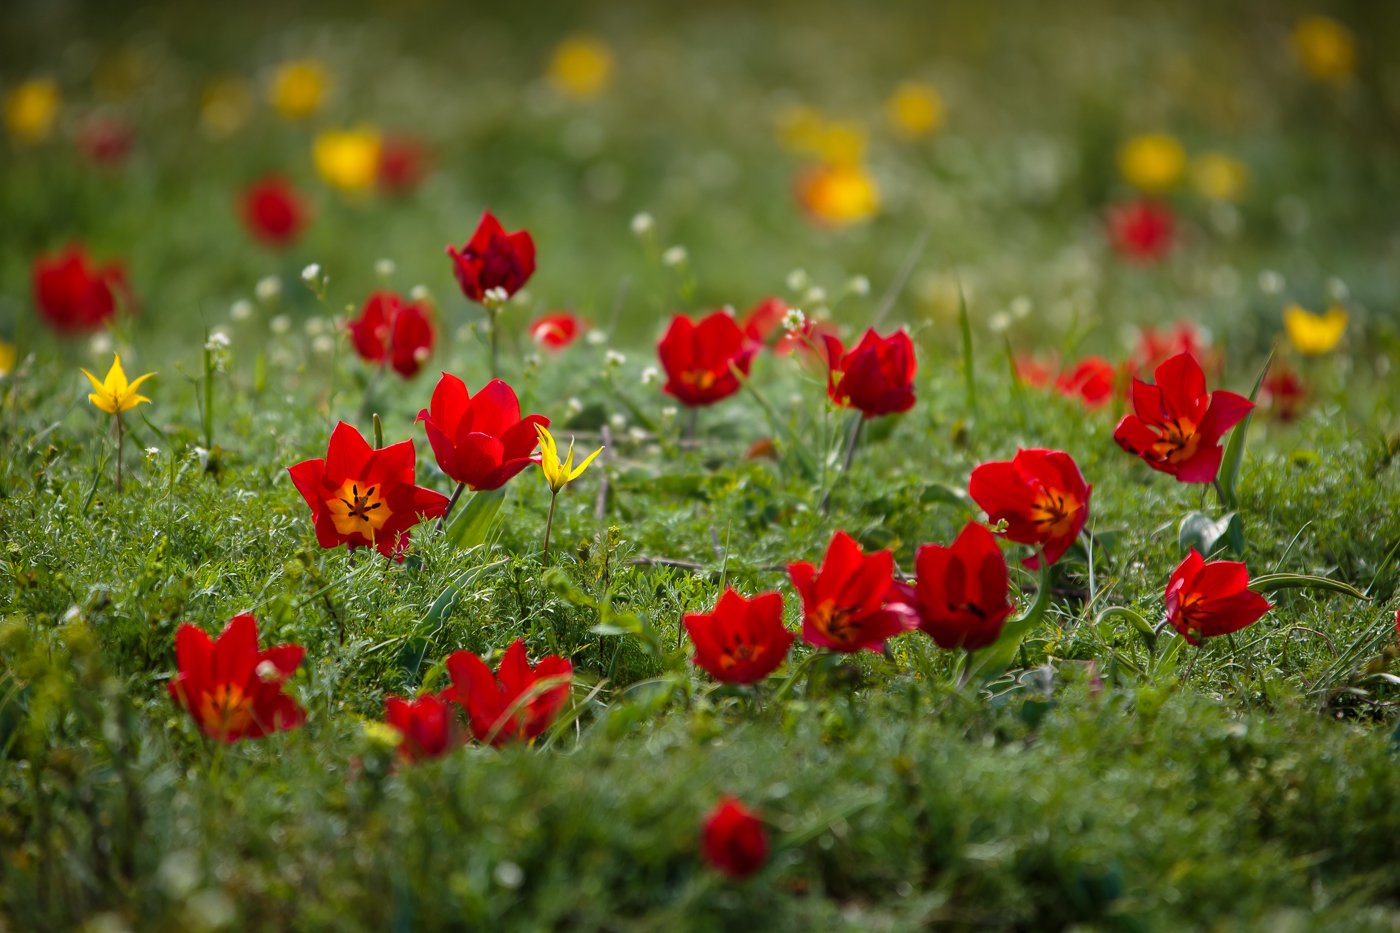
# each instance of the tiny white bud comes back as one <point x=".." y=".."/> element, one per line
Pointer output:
<point x="574" y="406"/>
<point x="670" y="412"/>
<point x="311" y="273"/>
<point x="675" y="256"/>
<point x="314" y="326"/>
<point x="419" y="293"/>
<point x="533" y="360"/>
<point x="815" y="295"/>
<point x="596" y="338"/>
<point x="421" y="355"/>
<point x="1337" y="289"/>
<point x="384" y="268"/>
<point x="650" y="375"/>
<point x="268" y="672"/>
<point x="152" y="453"/>
<point x="280" y="324"/>
<point x="797" y="280"/>
<point x="268" y="289"/>
<point x="241" y="310"/>
<point x="999" y="322"/>
<point x="858" y="285"/>
<point x="618" y="421"/>
<point x="1020" y="307"/>
<point x="101" y="344"/>
<point x="1271" y="282"/>
<point x="637" y="434"/>
<point x="495" y="297"/>
<point x="643" y="223"/>
<point x="614" y="359"/>
<point x="323" y="344"/>
<point x="794" y="321"/>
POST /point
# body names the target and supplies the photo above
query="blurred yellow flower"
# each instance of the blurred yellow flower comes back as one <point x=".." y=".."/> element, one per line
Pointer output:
<point x="348" y="159"/>
<point x="581" y="67"/>
<point x="114" y="394"/>
<point x="805" y="131"/>
<point x="1325" y="48"/>
<point x="299" y="88"/>
<point x="31" y="109"/>
<point x="8" y="355"/>
<point x="1152" y="162"/>
<point x="225" y="106"/>
<point x="838" y="195"/>
<point x="1219" y="177"/>
<point x="915" y="110"/>
<point x="1314" y="333"/>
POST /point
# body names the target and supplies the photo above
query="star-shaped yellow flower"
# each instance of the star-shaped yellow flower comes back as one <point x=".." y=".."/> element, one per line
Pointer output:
<point x="556" y="474"/>
<point x="114" y="394"/>
<point x="1314" y="333"/>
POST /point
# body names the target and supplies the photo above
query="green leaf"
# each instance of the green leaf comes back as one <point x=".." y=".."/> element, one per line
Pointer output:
<point x="991" y="662"/>
<point x="1302" y="581"/>
<point x="415" y="643"/>
<point x="969" y="372"/>
<point x="472" y="524"/>
<point x="943" y="493"/>
<point x="1233" y="458"/>
<point x="1205" y="534"/>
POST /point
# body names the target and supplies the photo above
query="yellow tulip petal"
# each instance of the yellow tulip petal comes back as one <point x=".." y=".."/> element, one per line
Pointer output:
<point x="578" y="470"/>
<point x="96" y="383"/>
<point x="103" y="402"/>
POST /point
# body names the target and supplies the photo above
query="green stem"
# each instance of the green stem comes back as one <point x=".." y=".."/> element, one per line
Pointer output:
<point x="378" y="432"/>
<point x="456" y="494"/>
<point x="494" y="316"/>
<point x="548" y="527"/>
<point x="852" y="441"/>
<point x="120" y="441"/>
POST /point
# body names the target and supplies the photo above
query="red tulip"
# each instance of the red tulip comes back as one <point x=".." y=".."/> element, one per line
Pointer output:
<point x="849" y="604"/>
<point x="1204" y="600"/>
<point x="403" y="162"/>
<point x="428" y="725"/>
<point x="877" y="377"/>
<point x="742" y="640"/>
<point x="493" y="258"/>
<point x="390" y="330"/>
<point x="1040" y="494"/>
<point x="480" y="440"/>
<point x="697" y="358"/>
<point x="1282" y="393"/>
<point x="73" y="294"/>
<point x="1177" y="425"/>
<point x="1155" y="347"/>
<point x="1141" y="231"/>
<point x="231" y="689"/>
<point x="1034" y="372"/>
<point x="556" y="331"/>
<point x="733" y="839"/>
<point x="765" y="319"/>
<point x="1091" y="382"/>
<point x="516" y="703"/>
<point x="273" y="212"/>
<point x="363" y="496"/>
<point x="962" y="590"/>
<point x="106" y="140"/>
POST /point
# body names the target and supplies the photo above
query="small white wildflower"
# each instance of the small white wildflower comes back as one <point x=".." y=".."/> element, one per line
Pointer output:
<point x="1337" y="289"/>
<point x="494" y="297"/>
<point x="650" y="375"/>
<point x="815" y="295"/>
<point x="858" y="285"/>
<point x="637" y="434"/>
<point x="675" y="256"/>
<point x="384" y="268"/>
<point x="1021" y="307"/>
<point x="614" y="359"/>
<point x="101" y="344"/>
<point x="596" y="338"/>
<point x="323" y="344"/>
<point x="999" y="322"/>
<point x="508" y="875"/>
<point x="794" y="321"/>
<point x="419" y="293"/>
<point x="200" y="454"/>
<point x="670" y="412"/>
<point x="421" y="355"/>
<point x="574" y="406"/>
<point x="152" y="453"/>
<point x="268" y="672"/>
<point x="241" y="310"/>
<point x="643" y="223"/>
<point x="533" y="360"/>
<point x="268" y="289"/>
<point x="1271" y="282"/>
<point x="314" y="326"/>
<point x="797" y="280"/>
<point x="618" y="421"/>
<point x="311" y="273"/>
<point x="280" y="324"/>
<point x="218" y="340"/>
<point x="521" y="297"/>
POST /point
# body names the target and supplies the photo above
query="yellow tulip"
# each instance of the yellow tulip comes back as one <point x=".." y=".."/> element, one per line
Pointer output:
<point x="581" y="67"/>
<point x="1314" y="333"/>
<point x="557" y="474"/>
<point x="31" y="109"/>
<point x="838" y="195"/>
<point x="1325" y="48"/>
<point x="8" y="355"/>
<point x="915" y="110"/>
<point x="299" y="88"/>
<point x="1152" y="162"/>
<point x="347" y="159"/>
<point x="805" y="131"/>
<point x="1219" y="177"/>
<point x="114" y="394"/>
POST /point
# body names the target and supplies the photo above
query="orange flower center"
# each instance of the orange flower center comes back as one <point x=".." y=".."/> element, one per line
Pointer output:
<point x="741" y="653"/>
<point x="700" y="379"/>
<point x="226" y="710"/>
<point x="359" y="509"/>
<point x="835" y="623"/>
<point x="1178" y="442"/>
<point x="1054" y="512"/>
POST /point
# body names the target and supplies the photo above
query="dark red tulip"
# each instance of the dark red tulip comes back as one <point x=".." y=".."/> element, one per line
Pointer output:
<point x="1177" y="424"/>
<point x="962" y="590"/>
<point x="106" y="140"/>
<point x="556" y="331"/>
<point x="876" y="377"/>
<point x="360" y="496"/>
<point x="427" y="725"/>
<point x="1040" y="494"/>
<point x="273" y="212"/>
<point x="1091" y="382"/>
<point x="493" y="259"/>
<point x="232" y="689"/>
<point x="742" y="640"/>
<point x="74" y="294"/>
<point x="697" y="358"/>
<point x="393" y="331"/>
<point x="733" y="839"/>
<point x="480" y="440"/>
<point x="1208" y="599"/>
<point x="852" y="602"/>
<point x="1141" y="231"/>
<point x="495" y="702"/>
<point x="1282" y="393"/>
<point x="403" y="163"/>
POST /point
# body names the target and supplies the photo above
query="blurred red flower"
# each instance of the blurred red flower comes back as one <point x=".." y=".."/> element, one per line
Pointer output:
<point x="273" y="212"/>
<point x="1092" y="382"/>
<point x="1208" y="599"/>
<point x="876" y="377"/>
<point x="1034" y="372"/>
<point x="850" y="603"/>
<point x="962" y="590"/>
<point x="516" y="703"/>
<point x="492" y="259"/>
<point x="1177" y="425"/>
<point x="1282" y="393"/>
<point x="231" y="689"/>
<point x="73" y="294"/>
<point x="1141" y="231"/>
<point x="390" y="330"/>
<point x="556" y="331"/>
<point x="106" y="140"/>
<point x="742" y="640"/>
<point x="1040" y="494"/>
<point x="403" y="164"/>
<point x="428" y="725"/>
<point x="360" y="496"/>
<point x="1155" y="347"/>
<point x="697" y="358"/>
<point x="733" y="839"/>
<point x="479" y="440"/>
